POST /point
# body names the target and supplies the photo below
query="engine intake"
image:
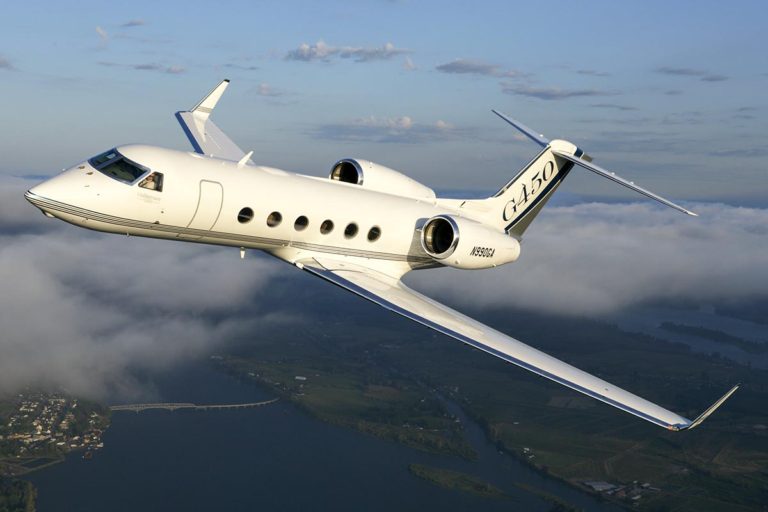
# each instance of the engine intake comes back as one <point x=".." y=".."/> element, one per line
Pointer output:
<point x="440" y="237"/>
<point x="463" y="243"/>
<point x="377" y="177"/>
<point x="348" y="171"/>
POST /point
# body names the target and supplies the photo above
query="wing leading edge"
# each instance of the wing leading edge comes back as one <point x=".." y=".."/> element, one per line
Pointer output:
<point x="395" y="296"/>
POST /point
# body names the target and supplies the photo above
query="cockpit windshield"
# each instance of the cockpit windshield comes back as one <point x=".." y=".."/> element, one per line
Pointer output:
<point x="114" y="165"/>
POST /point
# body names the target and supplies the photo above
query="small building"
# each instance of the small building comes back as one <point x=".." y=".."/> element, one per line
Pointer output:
<point x="600" y="486"/>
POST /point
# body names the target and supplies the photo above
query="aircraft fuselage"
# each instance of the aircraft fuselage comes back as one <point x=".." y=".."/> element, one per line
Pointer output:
<point x="215" y="201"/>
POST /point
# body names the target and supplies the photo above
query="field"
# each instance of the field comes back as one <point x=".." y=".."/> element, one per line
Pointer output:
<point x="383" y="382"/>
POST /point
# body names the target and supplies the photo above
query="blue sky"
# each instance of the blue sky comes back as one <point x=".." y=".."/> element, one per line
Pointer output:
<point x="669" y="94"/>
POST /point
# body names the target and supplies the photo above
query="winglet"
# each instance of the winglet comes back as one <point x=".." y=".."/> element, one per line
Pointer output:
<point x="206" y="138"/>
<point x="712" y="408"/>
<point x="206" y="105"/>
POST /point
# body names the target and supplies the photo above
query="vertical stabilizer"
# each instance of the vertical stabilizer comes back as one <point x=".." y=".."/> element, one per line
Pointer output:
<point x="514" y="207"/>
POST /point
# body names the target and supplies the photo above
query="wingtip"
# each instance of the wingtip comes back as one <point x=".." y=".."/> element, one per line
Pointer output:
<point x="226" y="80"/>
<point x="712" y="408"/>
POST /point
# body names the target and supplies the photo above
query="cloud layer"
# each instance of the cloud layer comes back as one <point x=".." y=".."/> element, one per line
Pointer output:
<point x="594" y="259"/>
<point x="85" y="311"/>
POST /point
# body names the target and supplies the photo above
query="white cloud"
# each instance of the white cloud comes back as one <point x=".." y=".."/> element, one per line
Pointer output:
<point x="324" y="52"/>
<point x="477" y="67"/>
<point x="265" y="89"/>
<point x="551" y="93"/>
<point x="401" y="129"/>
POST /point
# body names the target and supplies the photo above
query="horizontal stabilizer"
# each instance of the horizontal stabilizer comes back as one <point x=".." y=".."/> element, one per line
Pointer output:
<point x="535" y="137"/>
<point x="617" y="179"/>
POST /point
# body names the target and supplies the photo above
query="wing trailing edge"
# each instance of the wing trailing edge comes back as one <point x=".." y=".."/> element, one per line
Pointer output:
<point x="390" y="293"/>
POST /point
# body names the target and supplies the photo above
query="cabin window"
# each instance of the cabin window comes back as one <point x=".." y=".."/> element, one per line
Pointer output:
<point x="274" y="219"/>
<point x="245" y="215"/>
<point x="374" y="233"/>
<point x="153" y="182"/>
<point x="301" y="223"/>
<point x="326" y="227"/>
<point x="351" y="230"/>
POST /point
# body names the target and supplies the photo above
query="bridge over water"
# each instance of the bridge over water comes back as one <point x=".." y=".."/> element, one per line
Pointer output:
<point x="188" y="405"/>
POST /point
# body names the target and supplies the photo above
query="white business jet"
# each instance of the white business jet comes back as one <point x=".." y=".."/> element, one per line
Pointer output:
<point x="362" y="228"/>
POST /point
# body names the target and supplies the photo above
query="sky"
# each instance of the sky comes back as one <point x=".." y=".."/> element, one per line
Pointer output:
<point x="671" y="95"/>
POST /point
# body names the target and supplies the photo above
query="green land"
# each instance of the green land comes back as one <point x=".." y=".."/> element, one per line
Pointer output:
<point x="16" y="495"/>
<point x="715" y="335"/>
<point x="386" y="383"/>
<point x="456" y="480"/>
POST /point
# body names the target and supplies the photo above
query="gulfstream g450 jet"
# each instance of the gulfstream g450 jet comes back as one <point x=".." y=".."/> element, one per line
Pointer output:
<point x="362" y="228"/>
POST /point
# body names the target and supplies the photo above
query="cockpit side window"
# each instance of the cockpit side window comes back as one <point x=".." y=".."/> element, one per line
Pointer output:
<point x="122" y="170"/>
<point x="116" y="166"/>
<point x="153" y="182"/>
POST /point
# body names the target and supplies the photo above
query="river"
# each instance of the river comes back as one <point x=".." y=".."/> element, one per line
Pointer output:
<point x="270" y="458"/>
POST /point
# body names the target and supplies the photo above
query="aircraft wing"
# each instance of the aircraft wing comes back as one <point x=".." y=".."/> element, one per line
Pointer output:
<point x="392" y="294"/>
<point x="206" y="138"/>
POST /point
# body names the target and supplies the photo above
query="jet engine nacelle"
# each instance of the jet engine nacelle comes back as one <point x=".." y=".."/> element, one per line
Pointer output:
<point x="377" y="177"/>
<point x="463" y="243"/>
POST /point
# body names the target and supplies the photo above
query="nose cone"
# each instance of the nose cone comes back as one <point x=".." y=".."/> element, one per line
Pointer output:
<point x="39" y="196"/>
<point x="58" y="193"/>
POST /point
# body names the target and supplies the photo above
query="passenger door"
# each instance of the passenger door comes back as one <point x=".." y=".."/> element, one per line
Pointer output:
<point x="208" y="210"/>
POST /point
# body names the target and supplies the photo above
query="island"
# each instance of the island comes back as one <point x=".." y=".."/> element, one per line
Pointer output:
<point x="456" y="480"/>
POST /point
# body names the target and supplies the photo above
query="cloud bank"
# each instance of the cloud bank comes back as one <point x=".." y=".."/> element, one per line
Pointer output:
<point x="595" y="259"/>
<point x="85" y="311"/>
